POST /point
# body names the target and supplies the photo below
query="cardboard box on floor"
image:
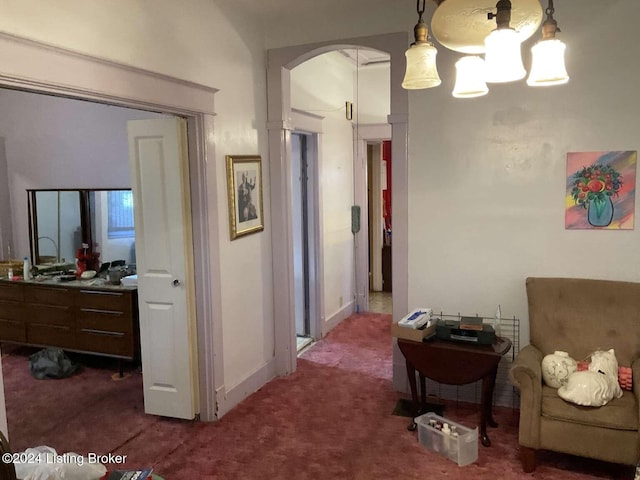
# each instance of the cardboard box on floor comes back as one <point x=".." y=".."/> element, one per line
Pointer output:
<point x="417" y="335"/>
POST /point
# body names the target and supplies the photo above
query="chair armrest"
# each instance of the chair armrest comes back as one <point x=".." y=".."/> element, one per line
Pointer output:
<point x="526" y="375"/>
<point x="526" y="370"/>
<point x="635" y="378"/>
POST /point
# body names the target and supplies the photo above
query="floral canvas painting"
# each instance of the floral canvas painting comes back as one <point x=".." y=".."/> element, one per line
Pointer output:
<point x="601" y="188"/>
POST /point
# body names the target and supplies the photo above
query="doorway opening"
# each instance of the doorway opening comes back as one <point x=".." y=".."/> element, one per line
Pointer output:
<point x="344" y="183"/>
<point x="379" y="202"/>
<point x="79" y="144"/>
<point x="303" y="176"/>
<point x="131" y="87"/>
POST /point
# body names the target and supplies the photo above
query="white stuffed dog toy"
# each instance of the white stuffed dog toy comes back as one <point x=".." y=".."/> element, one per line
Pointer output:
<point x="594" y="387"/>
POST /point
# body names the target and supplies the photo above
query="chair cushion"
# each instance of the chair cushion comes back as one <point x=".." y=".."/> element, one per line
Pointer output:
<point x="619" y="413"/>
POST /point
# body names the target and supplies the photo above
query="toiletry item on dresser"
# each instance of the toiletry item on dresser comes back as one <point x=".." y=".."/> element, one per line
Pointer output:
<point x="446" y="432"/>
<point x="26" y="274"/>
<point x="10" y="273"/>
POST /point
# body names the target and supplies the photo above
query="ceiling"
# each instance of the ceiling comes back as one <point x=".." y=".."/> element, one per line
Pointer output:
<point x="364" y="57"/>
<point x="270" y="9"/>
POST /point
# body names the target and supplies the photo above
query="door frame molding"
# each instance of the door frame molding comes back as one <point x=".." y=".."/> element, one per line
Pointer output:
<point x="363" y="134"/>
<point x="38" y="67"/>
<point x="280" y="61"/>
<point x="311" y="125"/>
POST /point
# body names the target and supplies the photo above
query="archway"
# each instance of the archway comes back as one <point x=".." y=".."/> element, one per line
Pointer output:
<point x="280" y="63"/>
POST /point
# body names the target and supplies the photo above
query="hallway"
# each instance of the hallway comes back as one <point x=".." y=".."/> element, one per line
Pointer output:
<point x="380" y="302"/>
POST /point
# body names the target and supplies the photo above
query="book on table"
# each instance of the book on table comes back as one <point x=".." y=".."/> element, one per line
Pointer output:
<point x="129" y="474"/>
<point x="471" y="323"/>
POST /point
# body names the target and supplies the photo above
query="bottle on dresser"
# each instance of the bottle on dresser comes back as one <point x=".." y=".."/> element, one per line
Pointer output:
<point x="26" y="274"/>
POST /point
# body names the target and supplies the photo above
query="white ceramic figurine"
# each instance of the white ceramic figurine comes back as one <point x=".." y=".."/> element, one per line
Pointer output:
<point x="598" y="385"/>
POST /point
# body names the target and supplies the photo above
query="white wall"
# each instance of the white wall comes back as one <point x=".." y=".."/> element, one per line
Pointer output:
<point x="373" y="102"/>
<point x="5" y="206"/>
<point x="216" y="44"/>
<point x="487" y="176"/>
<point x="310" y="21"/>
<point x="321" y="86"/>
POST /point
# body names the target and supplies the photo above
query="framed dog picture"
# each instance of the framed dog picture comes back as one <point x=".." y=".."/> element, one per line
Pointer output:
<point x="244" y="186"/>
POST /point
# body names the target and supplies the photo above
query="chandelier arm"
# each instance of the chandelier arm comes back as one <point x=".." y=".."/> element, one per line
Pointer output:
<point x="420" y="10"/>
<point x="503" y="14"/>
<point x="549" y="26"/>
<point x="550" y="10"/>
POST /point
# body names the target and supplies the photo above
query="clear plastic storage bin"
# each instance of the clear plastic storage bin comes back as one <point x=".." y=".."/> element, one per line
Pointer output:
<point x="461" y="448"/>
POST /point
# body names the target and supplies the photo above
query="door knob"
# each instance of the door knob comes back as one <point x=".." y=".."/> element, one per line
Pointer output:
<point x="176" y="283"/>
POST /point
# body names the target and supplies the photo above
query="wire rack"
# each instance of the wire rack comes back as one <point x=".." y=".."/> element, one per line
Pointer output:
<point x="504" y="393"/>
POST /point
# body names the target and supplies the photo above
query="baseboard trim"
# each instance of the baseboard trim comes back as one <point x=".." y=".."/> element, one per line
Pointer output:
<point x="335" y="319"/>
<point x="400" y="378"/>
<point x="227" y="399"/>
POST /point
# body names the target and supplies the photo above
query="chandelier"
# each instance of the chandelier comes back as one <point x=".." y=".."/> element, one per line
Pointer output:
<point x="467" y="26"/>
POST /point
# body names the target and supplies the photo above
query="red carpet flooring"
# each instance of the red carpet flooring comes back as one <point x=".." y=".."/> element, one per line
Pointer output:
<point x="331" y="419"/>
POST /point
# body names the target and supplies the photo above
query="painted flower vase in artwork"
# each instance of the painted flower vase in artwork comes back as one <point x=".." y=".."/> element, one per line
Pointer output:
<point x="600" y="211"/>
<point x="557" y="367"/>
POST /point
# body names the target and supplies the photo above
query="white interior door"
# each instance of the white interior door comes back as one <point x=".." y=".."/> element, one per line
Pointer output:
<point x="158" y="156"/>
<point x="375" y="241"/>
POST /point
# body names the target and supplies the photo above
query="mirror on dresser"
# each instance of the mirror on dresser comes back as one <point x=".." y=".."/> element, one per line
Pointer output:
<point x="62" y="221"/>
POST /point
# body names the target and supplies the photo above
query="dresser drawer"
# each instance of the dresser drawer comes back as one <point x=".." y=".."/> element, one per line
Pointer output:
<point x="13" y="331"/>
<point x="48" y="295"/>
<point x="50" y="315"/>
<point x="11" y="291"/>
<point x="110" y="343"/>
<point x="104" y="300"/>
<point x="108" y="320"/>
<point x="12" y="311"/>
<point x="51" y="335"/>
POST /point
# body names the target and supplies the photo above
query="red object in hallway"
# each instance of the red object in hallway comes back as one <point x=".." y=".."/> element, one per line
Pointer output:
<point x="386" y="194"/>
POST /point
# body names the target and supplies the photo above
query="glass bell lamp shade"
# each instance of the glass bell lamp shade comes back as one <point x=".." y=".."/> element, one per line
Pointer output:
<point x="421" y="70"/>
<point x="470" y="73"/>
<point x="503" y="59"/>
<point x="547" y="64"/>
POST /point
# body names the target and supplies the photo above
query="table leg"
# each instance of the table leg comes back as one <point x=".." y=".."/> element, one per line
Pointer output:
<point x="490" y="420"/>
<point x="486" y="407"/>
<point x="411" y="373"/>
<point x="423" y="392"/>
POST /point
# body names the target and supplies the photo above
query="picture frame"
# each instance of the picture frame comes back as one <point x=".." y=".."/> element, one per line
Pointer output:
<point x="600" y="190"/>
<point x="244" y="188"/>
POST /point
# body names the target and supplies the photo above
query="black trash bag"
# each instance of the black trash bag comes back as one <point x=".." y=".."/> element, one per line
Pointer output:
<point x="51" y="363"/>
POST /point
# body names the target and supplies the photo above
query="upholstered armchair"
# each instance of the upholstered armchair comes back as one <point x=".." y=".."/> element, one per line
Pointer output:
<point x="579" y="316"/>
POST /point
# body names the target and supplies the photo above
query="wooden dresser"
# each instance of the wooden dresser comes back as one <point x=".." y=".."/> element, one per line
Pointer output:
<point x="101" y="320"/>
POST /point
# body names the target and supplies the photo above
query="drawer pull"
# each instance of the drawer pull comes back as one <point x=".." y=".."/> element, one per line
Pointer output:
<point x="103" y="332"/>
<point x="104" y="312"/>
<point x="100" y="292"/>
